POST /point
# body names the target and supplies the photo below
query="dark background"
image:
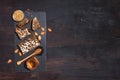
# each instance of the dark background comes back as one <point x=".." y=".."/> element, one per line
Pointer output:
<point x="84" y="44"/>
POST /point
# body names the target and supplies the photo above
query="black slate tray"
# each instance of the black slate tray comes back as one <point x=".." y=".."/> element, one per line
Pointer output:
<point x="41" y="16"/>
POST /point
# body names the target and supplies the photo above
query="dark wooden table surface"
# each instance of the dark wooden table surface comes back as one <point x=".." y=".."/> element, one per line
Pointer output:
<point x="84" y="43"/>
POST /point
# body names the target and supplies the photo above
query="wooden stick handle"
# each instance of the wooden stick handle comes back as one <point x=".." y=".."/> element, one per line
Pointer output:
<point x="19" y="62"/>
<point x="37" y="51"/>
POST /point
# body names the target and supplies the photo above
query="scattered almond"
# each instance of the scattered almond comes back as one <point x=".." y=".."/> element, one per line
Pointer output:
<point x="9" y="61"/>
<point x="42" y="28"/>
<point x="36" y="33"/>
<point x="39" y="38"/>
<point x="16" y="51"/>
<point x="49" y="30"/>
<point x="42" y="33"/>
<point x="20" y="54"/>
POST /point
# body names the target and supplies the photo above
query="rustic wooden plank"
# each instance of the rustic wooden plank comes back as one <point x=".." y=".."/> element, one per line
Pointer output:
<point x="84" y="43"/>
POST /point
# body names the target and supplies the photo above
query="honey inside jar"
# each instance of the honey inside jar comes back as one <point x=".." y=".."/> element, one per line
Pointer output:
<point x="32" y="63"/>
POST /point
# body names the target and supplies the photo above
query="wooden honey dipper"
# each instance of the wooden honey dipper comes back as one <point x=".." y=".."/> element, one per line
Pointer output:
<point x="36" y="52"/>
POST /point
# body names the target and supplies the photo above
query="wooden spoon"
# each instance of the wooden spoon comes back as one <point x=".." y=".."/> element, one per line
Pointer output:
<point x="36" y="52"/>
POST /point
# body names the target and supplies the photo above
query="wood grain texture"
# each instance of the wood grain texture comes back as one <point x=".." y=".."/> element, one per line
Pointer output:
<point x="84" y="44"/>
